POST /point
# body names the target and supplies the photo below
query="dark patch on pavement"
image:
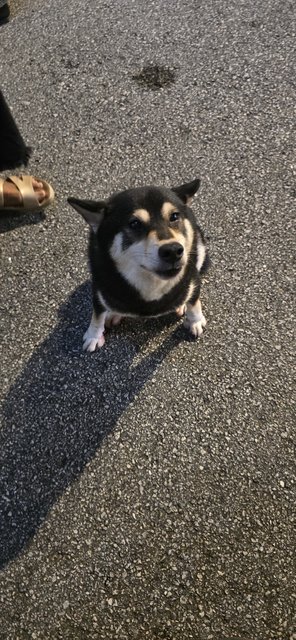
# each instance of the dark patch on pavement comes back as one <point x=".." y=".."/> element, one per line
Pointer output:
<point x="155" y="77"/>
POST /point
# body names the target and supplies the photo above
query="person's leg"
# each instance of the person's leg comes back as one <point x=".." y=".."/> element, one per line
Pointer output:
<point x="13" y="151"/>
<point x="4" y="11"/>
<point x="14" y="192"/>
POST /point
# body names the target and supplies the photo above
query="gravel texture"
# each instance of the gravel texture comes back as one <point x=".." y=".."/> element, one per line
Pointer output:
<point x="148" y="490"/>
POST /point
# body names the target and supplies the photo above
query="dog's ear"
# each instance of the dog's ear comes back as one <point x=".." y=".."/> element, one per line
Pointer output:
<point x="186" y="191"/>
<point x="91" y="210"/>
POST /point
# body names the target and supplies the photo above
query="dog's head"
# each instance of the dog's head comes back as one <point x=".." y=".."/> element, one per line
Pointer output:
<point x="147" y="230"/>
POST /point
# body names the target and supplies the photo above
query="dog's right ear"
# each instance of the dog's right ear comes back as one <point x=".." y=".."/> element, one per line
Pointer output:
<point x="92" y="211"/>
<point x="186" y="191"/>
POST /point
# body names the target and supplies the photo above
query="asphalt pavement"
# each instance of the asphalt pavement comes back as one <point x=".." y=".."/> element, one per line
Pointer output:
<point x="148" y="490"/>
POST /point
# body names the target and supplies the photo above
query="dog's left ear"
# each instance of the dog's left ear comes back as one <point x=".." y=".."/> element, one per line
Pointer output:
<point x="92" y="211"/>
<point x="186" y="191"/>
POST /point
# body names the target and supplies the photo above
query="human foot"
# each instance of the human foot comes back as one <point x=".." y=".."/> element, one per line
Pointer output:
<point x="24" y="193"/>
<point x="13" y="198"/>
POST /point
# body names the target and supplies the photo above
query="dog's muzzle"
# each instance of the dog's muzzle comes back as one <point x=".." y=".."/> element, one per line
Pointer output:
<point x="170" y="255"/>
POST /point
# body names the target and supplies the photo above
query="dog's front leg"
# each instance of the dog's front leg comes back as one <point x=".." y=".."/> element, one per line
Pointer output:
<point x="94" y="336"/>
<point x="194" y="318"/>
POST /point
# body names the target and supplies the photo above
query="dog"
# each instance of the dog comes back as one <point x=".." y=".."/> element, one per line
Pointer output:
<point x="147" y="255"/>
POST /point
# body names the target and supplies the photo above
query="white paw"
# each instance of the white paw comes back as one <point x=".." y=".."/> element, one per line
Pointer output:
<point x="181" y="310"/>
<point x="93" y="339"/>
<point x="112" y="319"/>
<point x="195" y="325"/>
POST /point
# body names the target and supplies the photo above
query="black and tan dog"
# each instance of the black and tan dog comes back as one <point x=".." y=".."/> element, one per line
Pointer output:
<point x="147" y="254"/>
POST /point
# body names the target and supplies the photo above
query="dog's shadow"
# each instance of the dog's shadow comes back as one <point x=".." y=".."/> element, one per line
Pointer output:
<point x="59" y="410"/>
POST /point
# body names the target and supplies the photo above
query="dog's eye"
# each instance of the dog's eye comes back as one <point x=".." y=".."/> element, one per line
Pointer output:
<point x="135" y="224"/>
<point x="174" y="217"/>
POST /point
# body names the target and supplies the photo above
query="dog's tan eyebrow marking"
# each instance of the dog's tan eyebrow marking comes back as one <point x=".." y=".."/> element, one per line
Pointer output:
<point x="166" y="210"/>
<point x="143" y="215"/>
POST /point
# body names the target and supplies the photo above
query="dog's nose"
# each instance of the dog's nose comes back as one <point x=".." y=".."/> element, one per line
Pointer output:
<point x="171" y="252"/>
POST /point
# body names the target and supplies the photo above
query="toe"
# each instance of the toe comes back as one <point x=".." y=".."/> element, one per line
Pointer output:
<point x="41" y="195"/>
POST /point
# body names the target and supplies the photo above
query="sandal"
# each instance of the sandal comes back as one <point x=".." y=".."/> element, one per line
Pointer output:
<point x="29" y="201"/>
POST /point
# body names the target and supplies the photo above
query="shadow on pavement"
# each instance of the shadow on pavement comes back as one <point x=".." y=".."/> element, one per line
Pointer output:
<point x="59" y="410"/>
<point x="12" y="220"/>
